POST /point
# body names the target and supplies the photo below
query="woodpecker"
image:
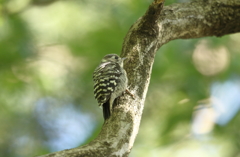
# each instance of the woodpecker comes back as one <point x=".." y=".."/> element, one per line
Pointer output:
<point x="110" y="81"/>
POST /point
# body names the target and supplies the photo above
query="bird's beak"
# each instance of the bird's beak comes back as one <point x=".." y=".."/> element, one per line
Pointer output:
<point x="124" y="58"/>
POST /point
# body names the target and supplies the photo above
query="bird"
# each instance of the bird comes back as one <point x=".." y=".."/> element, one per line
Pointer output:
<point x="110" y="81"/>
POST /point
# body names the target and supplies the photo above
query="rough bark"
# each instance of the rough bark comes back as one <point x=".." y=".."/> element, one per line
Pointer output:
<point x="158" y="26"/>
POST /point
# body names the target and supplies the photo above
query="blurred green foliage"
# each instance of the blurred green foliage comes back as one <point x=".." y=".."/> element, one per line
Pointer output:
<point x="48" y="51"/>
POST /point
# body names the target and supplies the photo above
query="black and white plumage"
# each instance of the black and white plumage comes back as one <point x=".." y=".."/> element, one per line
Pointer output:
<point x="110" y="81"/>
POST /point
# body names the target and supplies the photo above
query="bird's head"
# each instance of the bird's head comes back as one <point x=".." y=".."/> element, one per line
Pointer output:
<point x="113" y="58"/>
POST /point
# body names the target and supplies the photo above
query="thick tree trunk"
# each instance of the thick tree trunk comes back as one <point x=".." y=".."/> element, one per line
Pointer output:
<point x="158" y="26"/>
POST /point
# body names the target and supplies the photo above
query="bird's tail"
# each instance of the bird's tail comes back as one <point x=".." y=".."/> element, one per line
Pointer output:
<point x="106" y="110"/>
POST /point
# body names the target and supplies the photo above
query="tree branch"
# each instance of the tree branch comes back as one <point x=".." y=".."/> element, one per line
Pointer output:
<point x="157" y="27"/>
<point x="199" y="19"/>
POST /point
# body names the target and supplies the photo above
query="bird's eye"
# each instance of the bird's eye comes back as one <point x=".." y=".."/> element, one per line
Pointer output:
<point x="116" y="57"/>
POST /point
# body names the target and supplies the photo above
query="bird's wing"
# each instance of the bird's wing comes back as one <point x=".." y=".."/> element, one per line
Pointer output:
<point x="105" y="81"/>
